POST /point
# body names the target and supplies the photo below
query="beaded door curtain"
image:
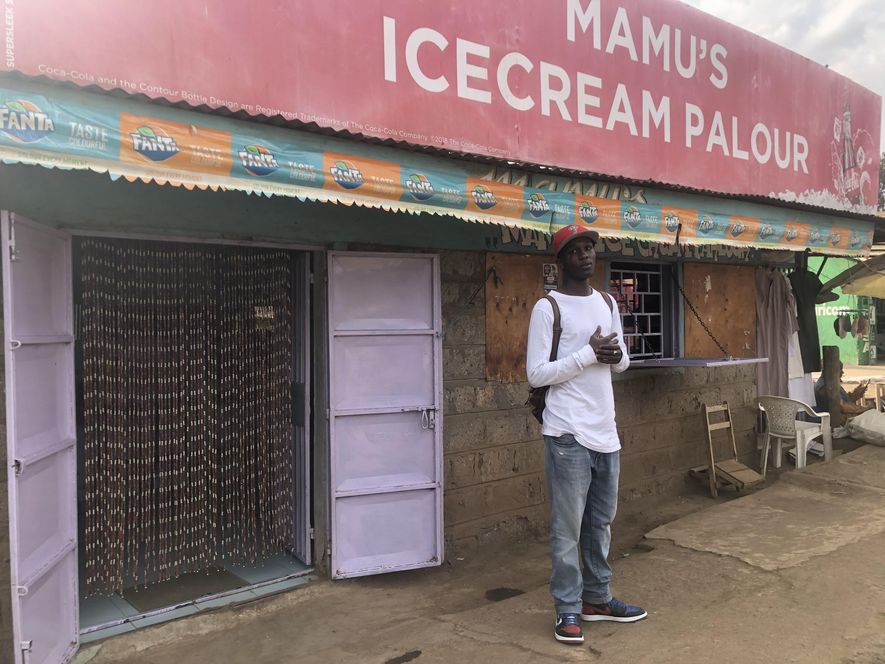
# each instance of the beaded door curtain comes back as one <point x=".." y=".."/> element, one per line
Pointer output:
<point x="187" y="408"/>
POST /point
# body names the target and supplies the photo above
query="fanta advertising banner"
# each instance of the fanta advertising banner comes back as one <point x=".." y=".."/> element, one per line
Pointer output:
<point x="651" y="90"/>
<point x="66" y="128"/>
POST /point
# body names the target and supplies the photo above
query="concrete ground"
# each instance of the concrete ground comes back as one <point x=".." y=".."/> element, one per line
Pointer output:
<point x="855" y="373"/>
<point x="794" y="572"/>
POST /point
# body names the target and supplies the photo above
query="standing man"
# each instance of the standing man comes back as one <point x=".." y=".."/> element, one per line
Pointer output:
<point x="581" y="439"/>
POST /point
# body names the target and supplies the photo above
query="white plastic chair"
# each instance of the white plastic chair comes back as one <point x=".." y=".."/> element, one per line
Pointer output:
<point x="782" y="425"/>
<point x="880" y="396"/>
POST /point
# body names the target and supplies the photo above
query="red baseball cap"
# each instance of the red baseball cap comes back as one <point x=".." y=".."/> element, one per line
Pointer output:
<point x="568" y="233"/>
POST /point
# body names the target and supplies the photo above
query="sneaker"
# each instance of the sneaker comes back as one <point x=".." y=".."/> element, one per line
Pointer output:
<point x="568" y="629"/>
<point x="615" y="610"/>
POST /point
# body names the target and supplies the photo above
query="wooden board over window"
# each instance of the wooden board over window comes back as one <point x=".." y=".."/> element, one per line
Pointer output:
<point x="509" y="301"/>
<point x="725" y="297"/>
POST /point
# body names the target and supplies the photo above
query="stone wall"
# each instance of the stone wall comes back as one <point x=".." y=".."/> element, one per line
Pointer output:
<point x="662" y="427"/>
<point x="493" y="454"/>
<point x="494" y="464"/>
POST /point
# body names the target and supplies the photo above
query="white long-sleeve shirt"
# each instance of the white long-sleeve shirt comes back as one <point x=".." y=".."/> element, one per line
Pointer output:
<point x="580" y="400"/>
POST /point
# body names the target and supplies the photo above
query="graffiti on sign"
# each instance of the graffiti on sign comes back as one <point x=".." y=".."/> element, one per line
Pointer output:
<point x="519" y="239"/>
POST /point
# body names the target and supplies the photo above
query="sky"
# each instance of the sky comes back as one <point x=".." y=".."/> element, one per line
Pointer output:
<point x="847" y="35"/>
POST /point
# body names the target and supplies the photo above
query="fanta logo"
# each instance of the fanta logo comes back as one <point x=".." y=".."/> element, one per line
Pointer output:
<point x="814" y="236"/>
<point x="24" y="122"/>
<point x="791" y="234"/>
<point x="483" y="197"/>
<point x="258" y="160"/>
<point x="588" y="212"/>
<point x="738" y="229"/>
<point x="766" y="231"/>
<point x="632" y="216"/>
<point x="419" y="186"/>
<point x="706" y="224"/>
<point x="854" y="241"/>
<point x="347" y="175"/>
<point x="671" y="221"/>
<point x="538" y="206"/>
<point x="155" y="146"/>
<point x="835" y="239"/>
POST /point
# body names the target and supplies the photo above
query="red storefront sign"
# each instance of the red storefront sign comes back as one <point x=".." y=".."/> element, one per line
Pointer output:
<point x="646" y="89"/>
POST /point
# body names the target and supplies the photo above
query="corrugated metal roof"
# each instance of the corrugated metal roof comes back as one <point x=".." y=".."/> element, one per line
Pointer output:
<point x="280" y="121"/>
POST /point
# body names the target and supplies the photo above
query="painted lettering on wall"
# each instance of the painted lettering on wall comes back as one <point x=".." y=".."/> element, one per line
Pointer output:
<point x="596" y="188"/>
<point x="831" y="310"/>
<point x="518" y="239"/>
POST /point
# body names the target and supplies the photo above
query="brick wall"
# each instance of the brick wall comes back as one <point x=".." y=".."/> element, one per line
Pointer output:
<point x="493" y="453"/>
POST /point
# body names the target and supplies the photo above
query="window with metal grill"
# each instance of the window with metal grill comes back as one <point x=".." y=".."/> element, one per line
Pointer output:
<point x="645" y="297"/>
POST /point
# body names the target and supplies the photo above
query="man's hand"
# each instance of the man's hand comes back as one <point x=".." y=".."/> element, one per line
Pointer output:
<point x="855" y="409"/>
<point x="859" y="391"/>
<point x="606" y="347"/>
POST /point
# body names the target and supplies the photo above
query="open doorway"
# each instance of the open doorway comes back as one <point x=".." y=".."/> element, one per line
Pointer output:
<point x="192" y="402"/>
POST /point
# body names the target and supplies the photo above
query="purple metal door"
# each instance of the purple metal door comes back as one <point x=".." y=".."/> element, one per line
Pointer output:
<point x="385" y="396"/>
<point x="41" y="440"/>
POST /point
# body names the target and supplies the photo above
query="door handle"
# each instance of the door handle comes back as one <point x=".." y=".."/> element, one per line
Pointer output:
<point x="428" y="418"/>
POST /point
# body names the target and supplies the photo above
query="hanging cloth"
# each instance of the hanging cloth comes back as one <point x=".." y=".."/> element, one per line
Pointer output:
<point x="794" y="356"/>
<point x="806" y="288"/>
<point x="775" y="324"/>
<point x="863" y="325"/>
<point x="860" y="327"/>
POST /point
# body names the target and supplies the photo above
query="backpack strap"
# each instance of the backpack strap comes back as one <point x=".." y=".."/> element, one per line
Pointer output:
<point x="557" y="321"/>
<point x="557" y="327"/>
<point x="608" y="301"/>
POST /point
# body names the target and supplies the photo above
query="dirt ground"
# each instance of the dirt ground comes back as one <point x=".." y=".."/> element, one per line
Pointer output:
<point x="794" y="572"/>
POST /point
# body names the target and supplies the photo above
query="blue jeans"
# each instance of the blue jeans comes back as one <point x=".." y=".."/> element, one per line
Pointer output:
<point x="582" y="487"/>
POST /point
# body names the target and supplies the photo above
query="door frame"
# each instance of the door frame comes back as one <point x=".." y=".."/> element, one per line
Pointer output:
<point x="315" y="310"/>
<point x="317" y="442"/>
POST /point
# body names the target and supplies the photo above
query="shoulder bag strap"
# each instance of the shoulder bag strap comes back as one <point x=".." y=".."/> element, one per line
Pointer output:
<point x="608" y="301"/>
<point x="557" y="327"/>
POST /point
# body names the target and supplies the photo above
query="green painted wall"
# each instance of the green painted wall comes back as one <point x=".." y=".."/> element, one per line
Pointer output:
<point x="852" y="350"/>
